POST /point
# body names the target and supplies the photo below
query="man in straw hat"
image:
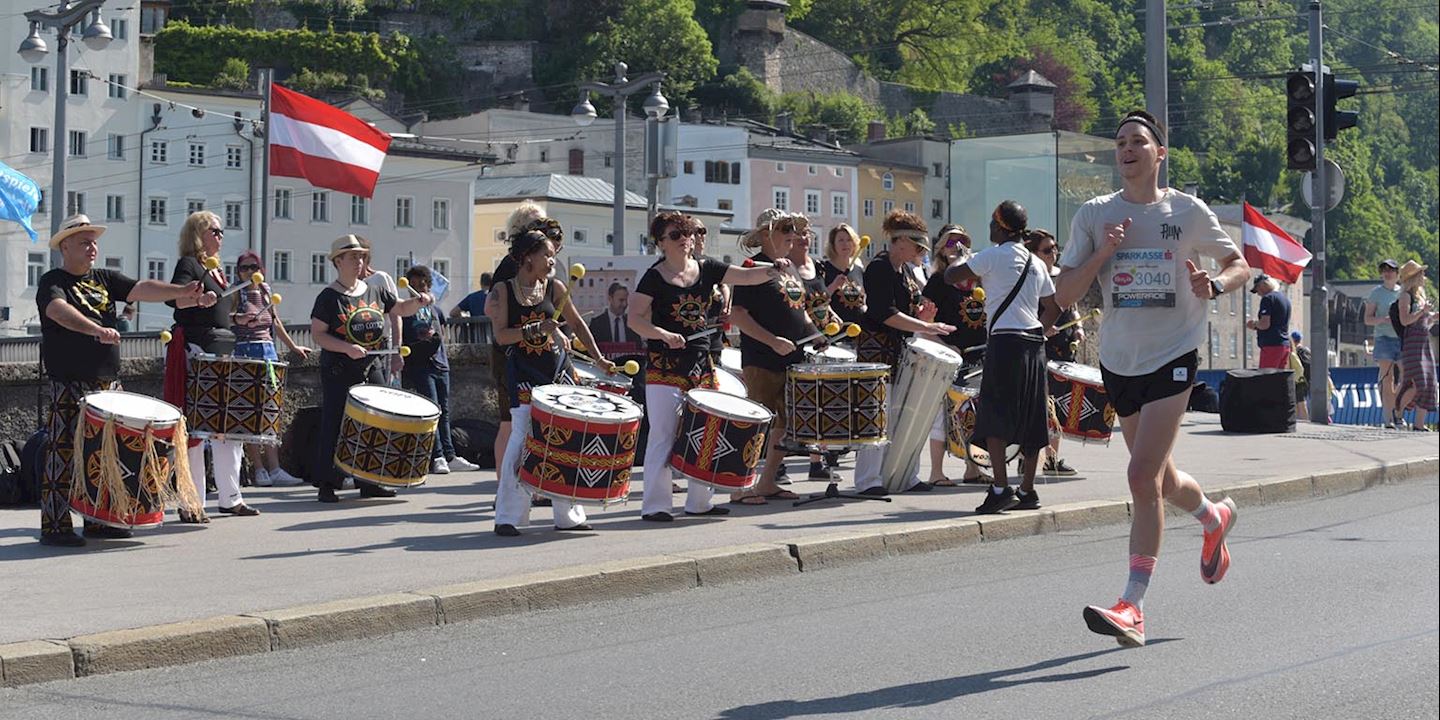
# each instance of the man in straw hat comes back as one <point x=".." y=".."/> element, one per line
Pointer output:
<point x="80" y="348"/>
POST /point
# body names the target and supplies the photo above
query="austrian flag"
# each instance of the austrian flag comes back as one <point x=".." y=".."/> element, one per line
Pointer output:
<point x="323" y="144"/>
<point x="1270" y="249"/>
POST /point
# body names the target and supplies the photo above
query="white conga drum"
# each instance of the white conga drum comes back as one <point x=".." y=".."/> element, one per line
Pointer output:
<point x="927" y="368"/>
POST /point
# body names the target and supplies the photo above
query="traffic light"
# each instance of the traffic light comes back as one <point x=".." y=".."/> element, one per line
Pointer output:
<point x="1337" y="120"/>
<point x="1300" y="120"/>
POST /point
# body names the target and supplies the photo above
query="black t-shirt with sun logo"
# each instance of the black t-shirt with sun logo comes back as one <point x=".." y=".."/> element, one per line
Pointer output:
<point x="686" y="311"/>
<point x="817" y="298"/>
<point x="849" y="300"/>
<point x="887" y="292"/>
<point x="71" y="356"/>
<point x="957" y="307"/>
<point x="358" y="319"/>
<point x="538" y="361"/>
<point x="779" y="307"/>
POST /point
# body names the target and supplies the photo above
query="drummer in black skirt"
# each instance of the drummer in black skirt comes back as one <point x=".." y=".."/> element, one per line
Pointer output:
<point x="1019" y="298"/>
<point x="955" y="306"/>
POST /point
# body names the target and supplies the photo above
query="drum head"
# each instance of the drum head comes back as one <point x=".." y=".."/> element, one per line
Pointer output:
<point x="938" y="350"/>
<point x="133" y="409"/>
<point x="591" y="374"/>
<point x="1075" y="371"/>
<point x="393" y="401"/>
<point x="583" y="403"/>
<point x="728" y="383"/>
<point x="837" y="368"/>
<point x="835" y="354"/>
<point x="730" y="360"/>
<point x="729" y="406"/>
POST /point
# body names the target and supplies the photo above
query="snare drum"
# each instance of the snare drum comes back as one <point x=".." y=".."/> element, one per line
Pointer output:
<point x="836" y="405"/>
<point x="1082" y="407"/>
<point x="721" y="439"/>
<point x="387" y="436"/>
<point x="927" y="369"/>
<point x="126" y="489"/>
<point x="581" y="445"/>
<point x="233" y="398"/>
<point x="591" y="375"/>
<point x="728" y="382"/>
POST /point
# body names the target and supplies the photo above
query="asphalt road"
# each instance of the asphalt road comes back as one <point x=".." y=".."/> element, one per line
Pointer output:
<point x="1330" y="611"/>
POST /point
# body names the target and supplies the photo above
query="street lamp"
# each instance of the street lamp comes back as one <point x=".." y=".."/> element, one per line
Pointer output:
<point x="69" y="15"/>
<point x="618" y="89"/>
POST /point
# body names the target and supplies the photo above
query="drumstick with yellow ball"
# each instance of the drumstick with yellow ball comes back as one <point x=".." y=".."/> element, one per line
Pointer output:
<point x="859" y="248"/>
<point x="1092" y="314"/>
<point x="402" y="351"/>
<point x="830" y="330"/>
<point x="629" y="368"/>
<point x="577" y="273"/>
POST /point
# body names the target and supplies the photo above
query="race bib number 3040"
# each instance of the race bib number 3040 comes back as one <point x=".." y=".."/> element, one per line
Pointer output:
<point x="1143" y="278"/>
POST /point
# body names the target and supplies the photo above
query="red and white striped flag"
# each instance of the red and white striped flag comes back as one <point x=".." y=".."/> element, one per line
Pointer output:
<point x="1270" y="249"/>
<point x="323" y="144"/>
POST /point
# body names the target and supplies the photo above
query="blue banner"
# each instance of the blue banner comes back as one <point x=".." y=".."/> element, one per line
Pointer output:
<point x="19" y="198"/>
<point x="1355" y="400"/>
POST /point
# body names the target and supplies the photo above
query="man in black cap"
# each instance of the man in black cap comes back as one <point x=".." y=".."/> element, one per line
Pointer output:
<point x="1272" y="324"/>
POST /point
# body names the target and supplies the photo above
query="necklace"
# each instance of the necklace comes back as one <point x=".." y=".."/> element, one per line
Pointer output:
<point x="533" y="294"/>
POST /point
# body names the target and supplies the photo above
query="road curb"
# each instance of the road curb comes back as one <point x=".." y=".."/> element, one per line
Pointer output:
<point x="36" y="661"/>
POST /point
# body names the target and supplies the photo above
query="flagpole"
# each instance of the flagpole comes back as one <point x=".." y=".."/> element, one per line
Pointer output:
<point x="266" y="78"/>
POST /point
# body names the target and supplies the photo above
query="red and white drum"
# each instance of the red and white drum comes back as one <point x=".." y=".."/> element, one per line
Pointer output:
<point x="581" y="446"/>
<point x="721" y="439"/>
<point x="591" y="375"/>
<point x="1082" y="408"/>
<point x="728" y="382"/>
<point x="123" y="461"/>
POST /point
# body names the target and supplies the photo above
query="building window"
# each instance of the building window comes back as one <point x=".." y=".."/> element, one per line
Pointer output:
<point x="724" y="204"/>
<point x="440" y="214"/>
<point x="39" y="140"/>
<point x="116" y="145"/>
<point x="233" y="157"/>
<point x="282" y="203"/>
<point x="319" y="272"/>
<point x="811" y="170"/>
<point x="193" y="206"/>
<point x="887" y="181"/>
<point x="152" y="19"/>
<point x="734" y="173"/>
<point x="1234" y="346"/>
<point x="155" y="269"/>
<point x="839" y="172"/>
<point x="320" y="206"/>
<point x="79" y="82"/>
<point x="937" y="208"/>
<point x="1234" y="302"/>
<point x="74" y="202"/>
<point x="689" y="167"/>
<point x="888" y="207"/>
<point x="360" y="210"/>
<point x="580" y="236"/>
<point x="910" y="207"/>
<point x="115" y="208"/>
<point x="40" y="79"/>
<point x="544" y="156"/>
<point x="234" y="213"/>
<point x="78" y="140"/>
<point x="812" y="202"/>
<point x="938" y="169"/>
<point x="868" y="208"/>
<point x="197" y="154"/>
<point x="838" y="205"/>
<point x="782" y="199"/>
<point x="402" y="265"/>
<point x="157" y="211"/>
<point x="280" y="267"/>
<point x="112" y="263"/>
<point x="35" y="264"/>
<point x="159" y="151"/>
<point x="40" y="207"/>
<point x="403" y="214"/>
<point x="117" y="87"/>
<point x="440" y="266"/>
<point x="779" y="167"/>
<point x="119" y="28"/>
<point x="609" y="160"/>
<point x="577" y="161"/>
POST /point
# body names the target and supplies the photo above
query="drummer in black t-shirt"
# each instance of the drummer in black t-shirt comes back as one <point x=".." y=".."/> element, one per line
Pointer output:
<point x="81" y="352"/>
<point x="958" y="307"/>
<point x="844" y="274"/>
<point x="817" y="305"/>
<point x="675" y="299"/>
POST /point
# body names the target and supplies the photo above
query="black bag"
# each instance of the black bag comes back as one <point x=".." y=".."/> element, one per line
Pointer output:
<point x="11" y="490"/>
<point x="1203" y="398"/>
<point x="297" y="451"/>
<point x="474" y="440"/>
<point x="1258" y="401"/>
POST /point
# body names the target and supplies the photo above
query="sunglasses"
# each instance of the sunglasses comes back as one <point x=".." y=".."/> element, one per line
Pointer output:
<point x="1048" y="250"/>
<point x="550" y="228"/>
<point x="217" y="232"/>
<point x="247" y="267"/>
<point x="674" y="235"/>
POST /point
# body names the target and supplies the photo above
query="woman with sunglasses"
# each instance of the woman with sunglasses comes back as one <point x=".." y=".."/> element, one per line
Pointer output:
<point x="204" y="330"/>
<point x="255" y="326"/>
<point x="817" y="304"/>
<point x="958" y="307"/>
<point x="1059" y="344"/>
<point x="675" y="299"/>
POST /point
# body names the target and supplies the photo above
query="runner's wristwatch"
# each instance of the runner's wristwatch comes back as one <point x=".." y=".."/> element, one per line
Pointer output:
<point x="1216" y="287"/>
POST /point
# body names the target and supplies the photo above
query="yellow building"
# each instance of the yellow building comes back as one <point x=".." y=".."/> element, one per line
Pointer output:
<point x="884" y="186"/>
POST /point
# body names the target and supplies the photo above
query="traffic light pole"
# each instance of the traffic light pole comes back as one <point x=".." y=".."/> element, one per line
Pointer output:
<point x="1319" y="317"/>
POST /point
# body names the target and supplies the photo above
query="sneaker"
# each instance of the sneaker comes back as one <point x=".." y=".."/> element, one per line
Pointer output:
<point x="1214" y="556"/>
<point x="438" y="466"/>
<point x="460" y="464"/>
<point x="347" y="484"/>
<point x="280" y="478"/>
<point x="782" y="476"/>
<point x="1058" y="467"/>
<point x="1124" y="622"/>
<point x="818" y="471"/>
<point x="262" y="478"/>
<point x="1027" y="501"/>
<point x="996" y="504"/>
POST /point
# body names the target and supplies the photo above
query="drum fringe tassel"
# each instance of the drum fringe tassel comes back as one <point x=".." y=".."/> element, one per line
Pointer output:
<point x="181" y="493"/>
<point x="110" y="480"/>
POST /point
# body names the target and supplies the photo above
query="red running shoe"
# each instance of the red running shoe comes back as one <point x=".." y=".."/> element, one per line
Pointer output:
<point x="1124" y="622"/>
<point x="1214" y="556"/>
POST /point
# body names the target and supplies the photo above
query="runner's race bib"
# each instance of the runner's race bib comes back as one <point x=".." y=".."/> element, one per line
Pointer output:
<point x="1142" y="278"/>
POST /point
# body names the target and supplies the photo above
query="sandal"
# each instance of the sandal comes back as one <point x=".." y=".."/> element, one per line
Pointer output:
<point x="944" y="482"/>
<point x="196" y="518"/>
<point x="781" y="495"/>
<point x="749" y="500"/>
<point x="981" y="479"/>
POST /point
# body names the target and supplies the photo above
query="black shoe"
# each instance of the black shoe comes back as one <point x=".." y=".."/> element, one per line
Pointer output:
<point x="105" y="532"/>
<point x="660" y="517"/>
<point x="240" y="509"/>
<point x="581" y="527"/>
<point x="996" y="504"/>
<point x="371" y="490"/>
<point x="717" y="510"/>
<point x="832" y="459"/>
<point x="1027" y="501"/>
<point x="1059" y="467"/>
<point x="507" y="531"/>
<point x="540" y="501"/>
<point x="921" y="486"/>
<point x="65" y="539"/>
<point x="877" y="491"/>
<point x="818" y="471"/>
<point x="327" y="495"/>
<point x="782" y="477"/>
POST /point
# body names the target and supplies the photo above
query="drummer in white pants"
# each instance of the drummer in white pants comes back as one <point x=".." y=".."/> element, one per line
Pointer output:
<point x="894" y="310"/>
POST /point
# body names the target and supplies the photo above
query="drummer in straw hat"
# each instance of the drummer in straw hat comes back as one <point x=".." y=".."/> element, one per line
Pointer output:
<point x="80" y="348"/>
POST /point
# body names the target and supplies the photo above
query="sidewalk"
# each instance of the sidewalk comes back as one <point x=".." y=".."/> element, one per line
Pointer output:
<point x="300" y="552"/>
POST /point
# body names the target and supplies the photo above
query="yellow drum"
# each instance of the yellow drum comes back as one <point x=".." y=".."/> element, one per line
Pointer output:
<point x="387" y="436"/>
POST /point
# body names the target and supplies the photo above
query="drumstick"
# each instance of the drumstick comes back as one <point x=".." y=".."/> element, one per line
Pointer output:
<point x="851" y="330"/>
<point x="402" y="351"/>
<point x="255" y="279"/>
<point x="703" y="333"/>
<point x="404" y="284"/>
<point x="577" y="272"/>
<point x="1092" y="314"/>
<point x="859" y="248"/>
<point x="629" y="368"/>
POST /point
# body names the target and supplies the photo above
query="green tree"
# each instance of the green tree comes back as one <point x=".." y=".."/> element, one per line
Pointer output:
<point x="916" y="122"/>
<point x="233" y="75"/>
<point x="652" y="35"/>
<point x="846" y="114"/>
<point x="739" y="94"/>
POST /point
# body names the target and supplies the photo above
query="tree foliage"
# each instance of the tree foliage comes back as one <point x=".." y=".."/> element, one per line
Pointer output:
<point x="844" y="113"/>
<point x="739" y="94"/>
<point x="651" y="35"/>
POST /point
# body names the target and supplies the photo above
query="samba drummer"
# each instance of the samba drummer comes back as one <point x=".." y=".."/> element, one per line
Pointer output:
<point x="523" y="312"/>
<point x="959" y="307"/>
<point x="673" y="306"/>
<point x="894" y="310"/>
<point x="81" y="352"/>
<point x="817" y="305"/>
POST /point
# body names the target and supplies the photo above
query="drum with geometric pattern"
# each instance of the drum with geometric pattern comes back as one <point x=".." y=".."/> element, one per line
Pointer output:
<point x="836" y="404"/>
<point x="721" y="439"/>
<point x="581" y="445"/>
<point x="387" y="436"/>
<point x="1081" y="403"/>
<point x="959" y="419"/>
<point x="135" y="502"/>
<point x="234" y="398"/>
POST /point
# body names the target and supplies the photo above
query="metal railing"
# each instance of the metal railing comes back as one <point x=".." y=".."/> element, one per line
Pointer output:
<point x="26" y="350"/>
